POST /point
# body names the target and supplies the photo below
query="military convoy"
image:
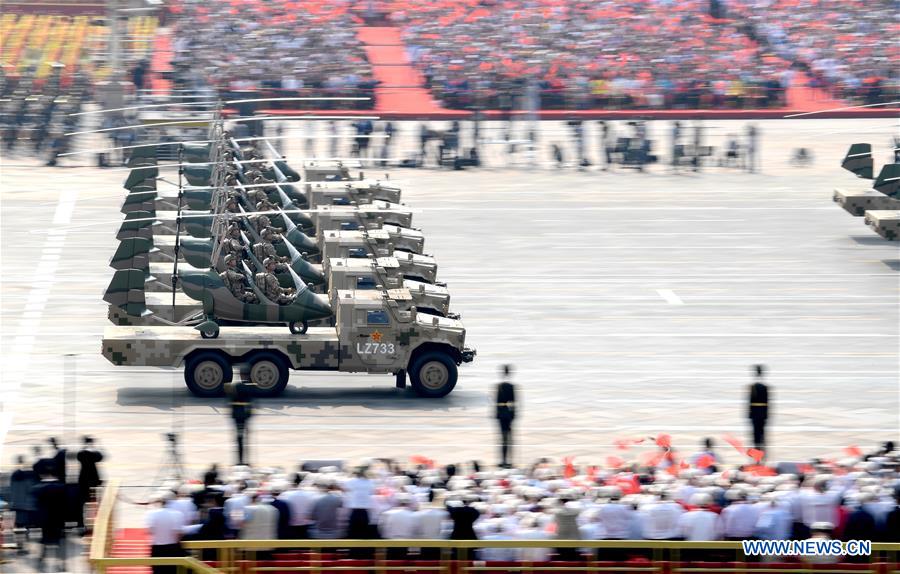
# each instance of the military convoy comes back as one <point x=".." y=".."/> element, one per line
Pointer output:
<point x="879" y="202"/>
<point x="346" y="275"/>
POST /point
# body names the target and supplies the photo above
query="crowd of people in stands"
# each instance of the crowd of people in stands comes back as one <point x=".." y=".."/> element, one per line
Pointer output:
<point x="846" y="44"/>
<point x="300" y="48"/>
<point x="660" y="498"/>
<point x="650" y="53"/>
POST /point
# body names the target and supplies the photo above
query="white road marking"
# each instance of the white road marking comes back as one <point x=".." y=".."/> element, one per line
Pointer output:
<point x="670" y="296"/>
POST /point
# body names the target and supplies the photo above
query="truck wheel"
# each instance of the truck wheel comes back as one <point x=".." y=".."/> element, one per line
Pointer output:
<point x="298" y="328"/>
<point x="433" y="375"/>
<point x="269" y="372"/>
<point x="207" y="373"/>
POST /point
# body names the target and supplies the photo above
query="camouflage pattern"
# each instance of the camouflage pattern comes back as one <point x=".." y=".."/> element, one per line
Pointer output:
<point x="858" y="202"/>
<point x="159" y="305"/>
<point x="885" y="223"/>
<point x="218" y="302"/>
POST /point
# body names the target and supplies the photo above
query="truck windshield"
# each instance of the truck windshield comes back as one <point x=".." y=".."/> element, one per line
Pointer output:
<point x="377" y="318"/>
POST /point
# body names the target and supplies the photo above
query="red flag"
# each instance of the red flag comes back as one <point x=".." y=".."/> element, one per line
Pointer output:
<point x="705" y="461"/>
<point x="569" y="471"/>
<point x="736" y="443"/>
<point x="853" y="451"/>
<point x="614" y="462"/>
<point x="664" y="441"/>
<point x="756" y="454"/>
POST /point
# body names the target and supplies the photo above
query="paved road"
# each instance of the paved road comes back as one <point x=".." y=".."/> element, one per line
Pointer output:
<point x="630" y="305"/>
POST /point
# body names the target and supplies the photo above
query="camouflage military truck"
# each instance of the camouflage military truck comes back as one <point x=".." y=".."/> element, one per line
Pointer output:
<point x="873" y="193"/>
<point x="372" y="335"/>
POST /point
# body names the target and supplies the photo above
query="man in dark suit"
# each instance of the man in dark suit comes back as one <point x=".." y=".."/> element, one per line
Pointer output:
<point x="284" y="514"/>
<point x="241" y="395"/>
<point x="505" y="413"/>
<point x="89" y="475"/>
<point x="463" y="517"/>
<point x="50" y="499"/>
<point x="759" y="408"/>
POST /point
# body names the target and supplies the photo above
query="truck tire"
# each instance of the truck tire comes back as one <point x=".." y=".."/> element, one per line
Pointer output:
<point x="433" y="374"/>
<point x="206" y="374"/>
<point x="268" y="371"/>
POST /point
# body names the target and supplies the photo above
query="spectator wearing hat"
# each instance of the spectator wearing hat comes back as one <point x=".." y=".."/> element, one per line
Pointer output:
<point x="165" y="528"/>
<point x="700" y="523"/>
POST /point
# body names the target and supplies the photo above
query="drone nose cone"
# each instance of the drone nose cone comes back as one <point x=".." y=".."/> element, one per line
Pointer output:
<point x="323" y="306"/>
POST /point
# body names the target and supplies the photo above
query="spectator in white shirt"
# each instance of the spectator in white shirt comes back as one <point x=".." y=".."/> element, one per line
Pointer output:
<point x="738" y="518"/>
<point x="494" y="530"/>
<point x="184" y="504"/>
<point x="819" y="504"/>
<point x="774" y="522"/>
<point x="432" y="522"/>
<point x="234" y="506"/>
<point x="700" y="523"/>
<point x="531" y="529"/>
<point x="398" y="523"/>
<point x="164" y="525"/>
<point x="358" y="492"/>
<point x="260" y="521"/>
<point x="660" y="518"/>
<point x="300" y="500"/>
<point x="616" y="517"/>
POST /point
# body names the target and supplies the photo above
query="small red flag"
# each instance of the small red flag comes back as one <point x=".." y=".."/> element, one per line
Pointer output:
<point x="614" y="462"/>
<point x="853" y="451"/>
<point x="735" y="442"/>
<point x="664" y="441"/>
<point x="705" y="461"/>
<point x="756" y="454"/>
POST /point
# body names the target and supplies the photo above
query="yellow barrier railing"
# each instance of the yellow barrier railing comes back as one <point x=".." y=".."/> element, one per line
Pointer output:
<point x="104" y="521"/>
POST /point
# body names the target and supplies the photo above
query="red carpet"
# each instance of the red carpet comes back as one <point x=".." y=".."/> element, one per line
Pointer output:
<point x="161" y="62"/>
<point x="402" y="88"/>
<point x="130" y="543"/>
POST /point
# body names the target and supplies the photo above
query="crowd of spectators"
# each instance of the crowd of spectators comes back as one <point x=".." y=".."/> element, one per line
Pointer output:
<point x="294" y="48"/>
<point x="846" y="45"/>
<point x="662" y="497"/>
<point x="607" y="53"/>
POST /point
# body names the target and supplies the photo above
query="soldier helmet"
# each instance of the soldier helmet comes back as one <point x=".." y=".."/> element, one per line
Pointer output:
<point x="269" y="261"/>
<point x="264" y="220"/>
<point x="230" y="258"/>
<point x="266" y="233"/>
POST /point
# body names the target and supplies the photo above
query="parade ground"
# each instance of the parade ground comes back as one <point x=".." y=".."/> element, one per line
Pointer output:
<point x="630" y="304"/>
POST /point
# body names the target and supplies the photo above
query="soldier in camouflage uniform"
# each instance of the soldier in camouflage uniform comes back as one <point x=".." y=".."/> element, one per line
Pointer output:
<point x="231" y="204"/>
<point x="234" y="281"/>
<point x="265" y="205"/>
<point x="268" y="284"/>
<point x="265" y="250"/>
<point x="232" y="244"/>
<point x="263" y="222"/>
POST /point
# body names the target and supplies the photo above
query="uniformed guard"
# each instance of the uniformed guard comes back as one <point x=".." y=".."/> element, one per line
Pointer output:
<point x="235" y="281"/>
<point x="268" y="284"/>
<point x="759" y="408"/>
<point x="505" y="414"/>
<point x="264" y="249"/>
<point x="240" y="396"/>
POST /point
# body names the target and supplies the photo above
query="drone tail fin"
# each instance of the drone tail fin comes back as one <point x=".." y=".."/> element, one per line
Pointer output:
<point x="888" y="181"/>
<point x="126" y="291"/>
<point x="859" y="160"/>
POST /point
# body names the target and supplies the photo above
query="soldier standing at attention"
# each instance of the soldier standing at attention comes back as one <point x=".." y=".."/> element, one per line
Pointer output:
<point x="268" y="284"/>
<point x="506" y="413"/>
<point x="241" y="402"/>
<point x="759" y="408"/>
<point x="234" y="281"/>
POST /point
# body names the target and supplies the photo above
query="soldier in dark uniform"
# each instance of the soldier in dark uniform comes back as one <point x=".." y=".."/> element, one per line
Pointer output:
<point x="240" y="396"/>
<point x="505" y="414"/>
<point x="759" y="408"/>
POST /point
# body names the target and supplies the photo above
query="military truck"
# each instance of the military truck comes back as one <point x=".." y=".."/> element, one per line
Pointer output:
<point x="371" y="335"/>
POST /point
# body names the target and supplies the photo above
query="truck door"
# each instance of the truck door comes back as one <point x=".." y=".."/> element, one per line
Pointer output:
<point x="375" y="341"/>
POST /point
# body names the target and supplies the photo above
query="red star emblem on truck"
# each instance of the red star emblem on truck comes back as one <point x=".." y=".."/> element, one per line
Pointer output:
<point x="376" y="336"/>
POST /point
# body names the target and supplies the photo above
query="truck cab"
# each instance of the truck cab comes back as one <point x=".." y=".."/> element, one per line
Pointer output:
<point x="358" y="194"/>
<point x="375" y="243"/>
<point x="366" y="216"/>
<point x="369" y="274"/>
